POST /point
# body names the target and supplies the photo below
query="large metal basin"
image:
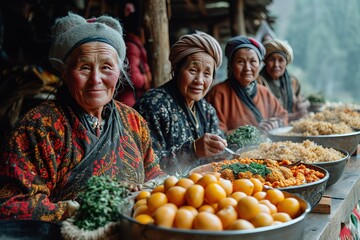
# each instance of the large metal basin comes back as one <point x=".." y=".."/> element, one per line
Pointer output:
<point x="294" y="229"/>
<point x="311" y="192"/>
<point x="335" y="168"/>
<point x="349" y="142"/>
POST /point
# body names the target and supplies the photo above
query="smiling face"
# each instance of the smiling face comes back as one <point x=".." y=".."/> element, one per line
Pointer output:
<point x="91" y="75"/>
<point x="245" y="66"/>
<point x="195" y="76"/>
<point x="275" y="65"/>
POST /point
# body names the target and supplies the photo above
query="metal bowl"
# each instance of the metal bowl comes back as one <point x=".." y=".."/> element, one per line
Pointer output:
<point x="335" y="168"/>
<point x="130" y="229"/>
<point x="311" y="192"/>
<point x="349" y="141"/>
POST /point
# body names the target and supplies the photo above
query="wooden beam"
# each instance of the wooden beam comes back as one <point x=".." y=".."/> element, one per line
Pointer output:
<point x="237" y="17"/>
<point x="156" y="28"/>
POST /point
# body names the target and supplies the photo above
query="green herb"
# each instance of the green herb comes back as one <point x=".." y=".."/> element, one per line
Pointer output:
<point x="254" y="168"/>
<point x="316" y="98"/>
<point x="100" y="202"/>
<point x="245" y="136"/>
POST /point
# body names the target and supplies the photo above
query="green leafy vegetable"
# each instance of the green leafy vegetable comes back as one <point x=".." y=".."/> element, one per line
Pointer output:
<point x="100" y="202"/>
<point x="245" y="136"/>
<point x="254" y="168"/>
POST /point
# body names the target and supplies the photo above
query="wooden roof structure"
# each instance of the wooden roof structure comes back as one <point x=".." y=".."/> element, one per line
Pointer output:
<point x="166" y="20"/>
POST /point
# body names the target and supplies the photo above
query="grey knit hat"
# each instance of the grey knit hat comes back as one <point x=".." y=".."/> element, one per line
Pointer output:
<point x="71" y="31"/>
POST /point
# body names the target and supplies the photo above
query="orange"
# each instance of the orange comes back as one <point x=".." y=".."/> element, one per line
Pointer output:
<point x="216" y="174"/>
<point x="281" y="217"/>
<point x="243" y="185"/>
<point x="226" y="185"/>
<point x="241" y="224"/>
<point x="139" y="203"/>
<point x="184" y="218"/>
<point x="238" y="195"/>
<point x="228" y="201"/>
<point x="227" y="216"/>
<point x="206" y="208"/>
<point x="169" y="182"/>
<point x="258" y="185"/>
<point x="259" y="195"/>
<point x="144" y="219"/>
<point x="195" y="177"/>
<point x="274" y="196"/>
<point x="290" y="206"/>
<point x="207" y="221"/>
<point x="262" y="220"/>
<point x="143" y="209"/>
<point x="142" y="195"/>
<point x="164" y="216"/>
<point x="159" y="188"/>
<point x="156" y="200"/>
<point x="176" y="195"/>
<point x="184" y="182"/>
<point x="207" y="179"/>
<point x="272" y="207"/>
<point x="248" y="207"/>
<point x="195" y="195"/>
<point x="171" y="205"/>
<point x="214" y="193"/>
<point x="190" y="208"/>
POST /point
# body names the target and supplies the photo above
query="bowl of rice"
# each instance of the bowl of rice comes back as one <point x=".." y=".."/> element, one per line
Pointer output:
<point x="327" y="134"/>
<point x="332" y="159"/>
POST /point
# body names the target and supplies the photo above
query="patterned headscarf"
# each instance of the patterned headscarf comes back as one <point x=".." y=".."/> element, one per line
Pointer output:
<point x="238" y="42"/>
<point x="281" y="47"/>
<point x="194" y="43"/>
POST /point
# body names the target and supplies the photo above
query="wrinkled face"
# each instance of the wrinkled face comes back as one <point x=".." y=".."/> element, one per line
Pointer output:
<point x="91" y="75"/>
<point x="245" y="66"/>
<point x="195" y="76"/>
<point x="275" y="65"/>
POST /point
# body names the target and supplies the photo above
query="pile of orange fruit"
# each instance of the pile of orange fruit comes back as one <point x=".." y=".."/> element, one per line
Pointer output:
<point x="209" y="202"/>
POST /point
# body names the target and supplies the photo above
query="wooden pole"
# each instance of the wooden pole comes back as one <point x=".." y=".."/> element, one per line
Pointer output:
<point x="237" y="17"/>
<point x="156" y="28"/>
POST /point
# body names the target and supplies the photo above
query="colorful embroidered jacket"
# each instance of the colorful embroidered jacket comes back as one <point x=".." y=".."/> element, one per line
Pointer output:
<point x="50" y="156"/>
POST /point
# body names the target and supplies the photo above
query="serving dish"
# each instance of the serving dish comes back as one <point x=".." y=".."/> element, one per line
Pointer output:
<point x="130" y="229"/>
<point x="349" y="141"/>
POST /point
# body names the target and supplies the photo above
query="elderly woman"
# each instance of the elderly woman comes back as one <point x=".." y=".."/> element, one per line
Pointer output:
<point x="276" y="78"/>
<point x="57" y="146"/>
<point x="184" y="127"/>
<point x="240" y="100"/>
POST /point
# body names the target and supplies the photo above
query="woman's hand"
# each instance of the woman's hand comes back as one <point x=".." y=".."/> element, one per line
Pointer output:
<point x="209" y="145"/>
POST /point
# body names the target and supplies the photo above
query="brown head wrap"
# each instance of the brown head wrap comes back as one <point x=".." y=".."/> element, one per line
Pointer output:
<point x="281" y="47"/>
<point x="194" y="43"/>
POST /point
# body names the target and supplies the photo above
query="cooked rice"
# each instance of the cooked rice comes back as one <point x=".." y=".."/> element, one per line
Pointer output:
<point x="307" y="152"/>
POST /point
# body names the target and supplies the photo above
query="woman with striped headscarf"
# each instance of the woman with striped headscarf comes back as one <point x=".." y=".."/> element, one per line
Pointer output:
<point x="277" y="79"/>
<point x="240" y="100"/>
<point x="184" y="127"/>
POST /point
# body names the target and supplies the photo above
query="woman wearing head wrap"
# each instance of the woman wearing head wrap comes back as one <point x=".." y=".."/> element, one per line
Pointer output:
<point x="57" y="146"/>
<point x="240" y="100"/>
<point x="276" y="78"/>
<point x="184" y="127"/>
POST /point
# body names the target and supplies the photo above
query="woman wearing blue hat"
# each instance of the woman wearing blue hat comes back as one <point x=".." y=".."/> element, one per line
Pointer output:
<point x="240" y="100"/>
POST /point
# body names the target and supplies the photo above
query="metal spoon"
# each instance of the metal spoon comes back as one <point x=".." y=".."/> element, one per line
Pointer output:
<point x="232" y="152"/>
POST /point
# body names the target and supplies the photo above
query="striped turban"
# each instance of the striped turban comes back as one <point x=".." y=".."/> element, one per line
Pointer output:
<point x="194" y="43"/>
<point x="281" y="47"/>
<point x="238" y="42"/>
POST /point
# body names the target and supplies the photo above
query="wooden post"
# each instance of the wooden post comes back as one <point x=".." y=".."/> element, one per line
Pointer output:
<point x="237" y="17"/>
<point x="156" y="28"/>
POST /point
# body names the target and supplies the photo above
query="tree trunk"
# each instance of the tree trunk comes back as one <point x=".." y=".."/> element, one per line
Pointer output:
<point x="156" y="27"/>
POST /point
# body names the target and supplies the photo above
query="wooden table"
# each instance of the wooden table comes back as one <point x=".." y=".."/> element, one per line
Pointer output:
<point x="345" y="194"/>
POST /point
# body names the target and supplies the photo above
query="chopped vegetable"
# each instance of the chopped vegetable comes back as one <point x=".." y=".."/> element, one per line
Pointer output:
<point x="100" y="202"/>
<point x="245" y="136"/>
<point x="254" y="168"/>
